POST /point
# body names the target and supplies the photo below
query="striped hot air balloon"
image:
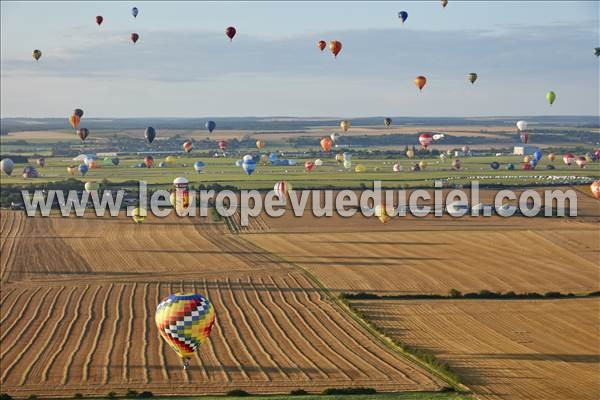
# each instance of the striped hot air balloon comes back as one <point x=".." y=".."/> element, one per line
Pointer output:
<point x="281" y="189"/>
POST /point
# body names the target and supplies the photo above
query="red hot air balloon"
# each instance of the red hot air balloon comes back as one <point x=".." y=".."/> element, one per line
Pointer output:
<point x="581" y="162"/>
<point x="134" y="37"/>
<point x="149" y="161"/>
<point x="335" y="47"/>
<point x="309" y="166"/>
<point x="568" y="159"/>
<point x="188" y="146"/>
<point x="222" y="145"/>
<point x="99" y="19"/>
<point x="230" y="32"/>
<point x="321" y="45"/>
<point x="326" y="144"/>
<point x="425" y="139"/>
<point x="524" y="137"/>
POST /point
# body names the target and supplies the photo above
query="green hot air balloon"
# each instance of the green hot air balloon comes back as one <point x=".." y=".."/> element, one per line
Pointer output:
<point x="551" y="96"/>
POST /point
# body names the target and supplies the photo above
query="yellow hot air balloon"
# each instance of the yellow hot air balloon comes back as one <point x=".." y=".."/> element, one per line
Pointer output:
<point x="74" y="120"/>
<point x="185" y="320"/>
<point x="345" y="125"/>
<point x="260" y="144"/>
<point x="410" y="154"/>
<point x="139" y="215"/>
<point x="72" y="169"/>
<point x="170" y="160"/>
<point x="383" y="213"/>
<point x="360" y="168"/>
<point x="423" y="164"/>
<point x="526" y="159"/>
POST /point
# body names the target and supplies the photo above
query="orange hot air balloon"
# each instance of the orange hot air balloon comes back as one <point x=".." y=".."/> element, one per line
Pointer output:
<point x="595" y="188"/>
<point x="74" y="120"/>
<point x="335" y="47"/>
<point x="420" y="81"/>
<point x="321" y="45"/>
<point x="326" y="143"/>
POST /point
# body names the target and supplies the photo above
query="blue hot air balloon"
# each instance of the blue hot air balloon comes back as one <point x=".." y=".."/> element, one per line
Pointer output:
<point x="510" y="166"/>
<point x="495" y="165"/>
<point x="537" y="156"/>
<point x="198" y="166"/>
<point x="83" y="169"/>
<point x="249" y="166"/>
<point x="134" y="12"/>
<point x="403" y="15"/>
<point x="210" y="125"/>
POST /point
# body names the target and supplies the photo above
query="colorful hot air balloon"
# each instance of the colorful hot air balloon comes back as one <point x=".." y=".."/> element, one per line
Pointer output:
<point x="335" y="47"/>
<point x="345" y="125"/>
<point x="260" y="144"/>
<point x="403" y="15"/>
<point x="99" y="19"/>
<point x="494" y="165"/>
<point x="74" y="120"/>
<point x="78" y="112"/>
<point x="37" y="54"/>
<point x="425" y="139"/>
<point x="410" y="153"/>
<point x="41" y="162"/>
<point x="524" y="137"/>
<point x="139" y="215"/>
<point x="444" y="3"/>
<point x="222" y="145"/>
<point x="387" y="121"/>
<point x="210" y="126"/>
<point x="456" y="163"/>
<point x="420" y="81"/>
<point x="149" y="161"/>
<point x="83" y="133"/>
<point x="383" y="213"/>
<point x="281" y="189"/>
<point x="326" y="144"/>
<point x="185" y="320"/>
<point x="581" y="162"/>
<point x="347" y="164"/>
<point x="170" y="160"/>
<point x="91" y="186"/>
<point x="7" y="166"/>
<point x="551" y="157"/>
<point x="199" y="166"/>
<point x="188" y="146"/>
<point x="150" y="134"/>
<point x="249" y="166"/>
<point x="472" y="77"/>
<point x="423" y="164"/>
<point x="134" y="12"/>
<point x="595" y="188"/>
<point x="551" y="96"/>
<point x="568" y="159"/>
<point x="83" y="169"/>
<point x="309" y="166"/>
<point x="321" y="44"/>
<point x="135" y="37"/>
<point x="230" y="32"/>
<point x="526" y="159"/>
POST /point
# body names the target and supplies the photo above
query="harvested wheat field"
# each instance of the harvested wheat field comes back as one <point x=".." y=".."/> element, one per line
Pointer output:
<point x="504" y="349"/>
<point x="78" y="320"/>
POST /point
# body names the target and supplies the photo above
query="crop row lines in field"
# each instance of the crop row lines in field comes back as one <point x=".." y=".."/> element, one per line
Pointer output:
<point x="96" y="340"/>
<point x="129" y="335"/>
<point x="116" y="322"/>
<point x="26" y="311"/>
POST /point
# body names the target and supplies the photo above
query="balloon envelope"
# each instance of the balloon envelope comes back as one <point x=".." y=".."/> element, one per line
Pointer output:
<point x="134" y="12"/>
<point x="37" y="54"/>
<point x="230" y="32"/>
<point x="326" y="144"/>
<point x="335" y="47"/>
<point x="420" y="81"/>
<point x="249" y="166"/>
<point x="321" y="44"/>
<point x="99" y="19"/>
<point x="7" y="166"/>
<point x="150" y="134"/>
<point x="198" y="166"/>
<point x="210" y="126"/>
<point x="134" y="37"/>
<point x="345" y="125"/>
<point x="387" y="121"/>
<point x="551" y="96"/>
<point x="403" y="15"/>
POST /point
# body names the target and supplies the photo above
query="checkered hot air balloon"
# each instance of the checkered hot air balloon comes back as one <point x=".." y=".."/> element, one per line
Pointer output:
<point x="185" y="320"/>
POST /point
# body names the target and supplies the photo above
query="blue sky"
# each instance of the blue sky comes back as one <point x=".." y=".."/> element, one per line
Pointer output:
<point x="184" y="65"/>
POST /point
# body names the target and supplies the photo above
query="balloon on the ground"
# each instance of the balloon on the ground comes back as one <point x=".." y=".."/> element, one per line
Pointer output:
<point x="423" y="164"/>
<point x="199" y="166"/>
<point x="247" y="157"/>
<point x="347" y="156"/>
<point x="339" y="158"/>
<point x="37" y="54"/>
<point x="71" y="169"/>
<point x="222" y="145"/>
<point x="360" y="168"/>
<point x="318" y="162"/>
<point x="456" y="163"/>
<point x="150" y="134"/>
<point x="526" y="159"/>
<point x="347" y="164"/>
<point x="568" y="159"/>
<point x="83" y="169"/>
<point x="551" y="157"/>
<point x="510" y="166"/>
<point x="170" y="160"/>
<point x="188" y="146"/>
<point x="581" y="162"/>
<point x="397" y="167"/>
<point x="494" y="165"/>
<point x="30" y="172"/>
<point x="115" y="161"/>
<point x="149" y="161"/>
<point x="249" y="166"/>
<point x="537" y="155"/>
<point x="41" y="162"/>
<point x="7" y="166"/>
<point x="309" y="166"/>
<point x="410" y="153"/>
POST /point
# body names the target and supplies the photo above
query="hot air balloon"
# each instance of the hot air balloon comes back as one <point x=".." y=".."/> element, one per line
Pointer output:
<point x="170" y="160"/>
<point x="423" y="164"/>
<point x="345" y="125"/>
<point x="149" y="161"/>
<point x="403" y="15"/>
<point x="425" y="139"/>
<point x="521" y="126"/>
<point x="318" y="162"/>
<point x="347" y="164"/>
<point x="420" y="81"/>
<point x="99" y="19"/>
<point x="335" y="47"/>
<point x="41" y="162"/>
<point x="134" y="37"/>
<point x="139" y="215"/>
<point x="91" y="186"/>
<point x="115" y="161"/>
<point x="551" y="96"/>
<point x="188" y="146"/>
<point x="326" y="144"/>
<point x="260" y="144"/>
<point x="397" y="167"/>
<point x="347" y="156"/>
<point x="249" y="166"/>
<point x="526" y="167"/>
<point x="533" y="163"/>
<point x="494" y="165"/>
<point x="37" y="54"/>
<point x="551" y="157"/>
<point x="180" y="199"/>
<point x="78" y="112"/>
<point x="581" y="162"/>
<point x="30" y="172"/>
<point x="134" y="12"/>
<point x="210" y="126"/>
<point x="281" y="189"/>
<point x="537" y="155"/>
<point x="383" y="213"/>
<point x="74" y="120"/>
<point x="444" y="3"/>
<point x="92" y="163"/>
<point x="410" y="154"/>
<point x="150" y="134"/>
<point x="199" y="166"/>
<point x="568" y="159"/>
<point x="472" y="77"/>
<point x="360" y="168"/>
<point x="524" y="137"/>
<point x="339" y="158"/>
<point x="321" y="44"/>
<point x="387" y="121"/>
<point x="443" y="157"/>
<point x="334" y="136"/>
<point x="7" y="166"/>
<point x="83" y="169"/>
<point x="222" y="145"/>
<point x="466" y="149"/>
<point x="184" y="320"/>
<point x="309" y="166"/>
<point x="526" y="159"/>
<point x="83" y="133"/>
<point x="230" y="32"/>
<point x="456" y="163"/>
<point x="71" y="169"/>
<point x="597" y="51"/>
<point x="595" y="188"/>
